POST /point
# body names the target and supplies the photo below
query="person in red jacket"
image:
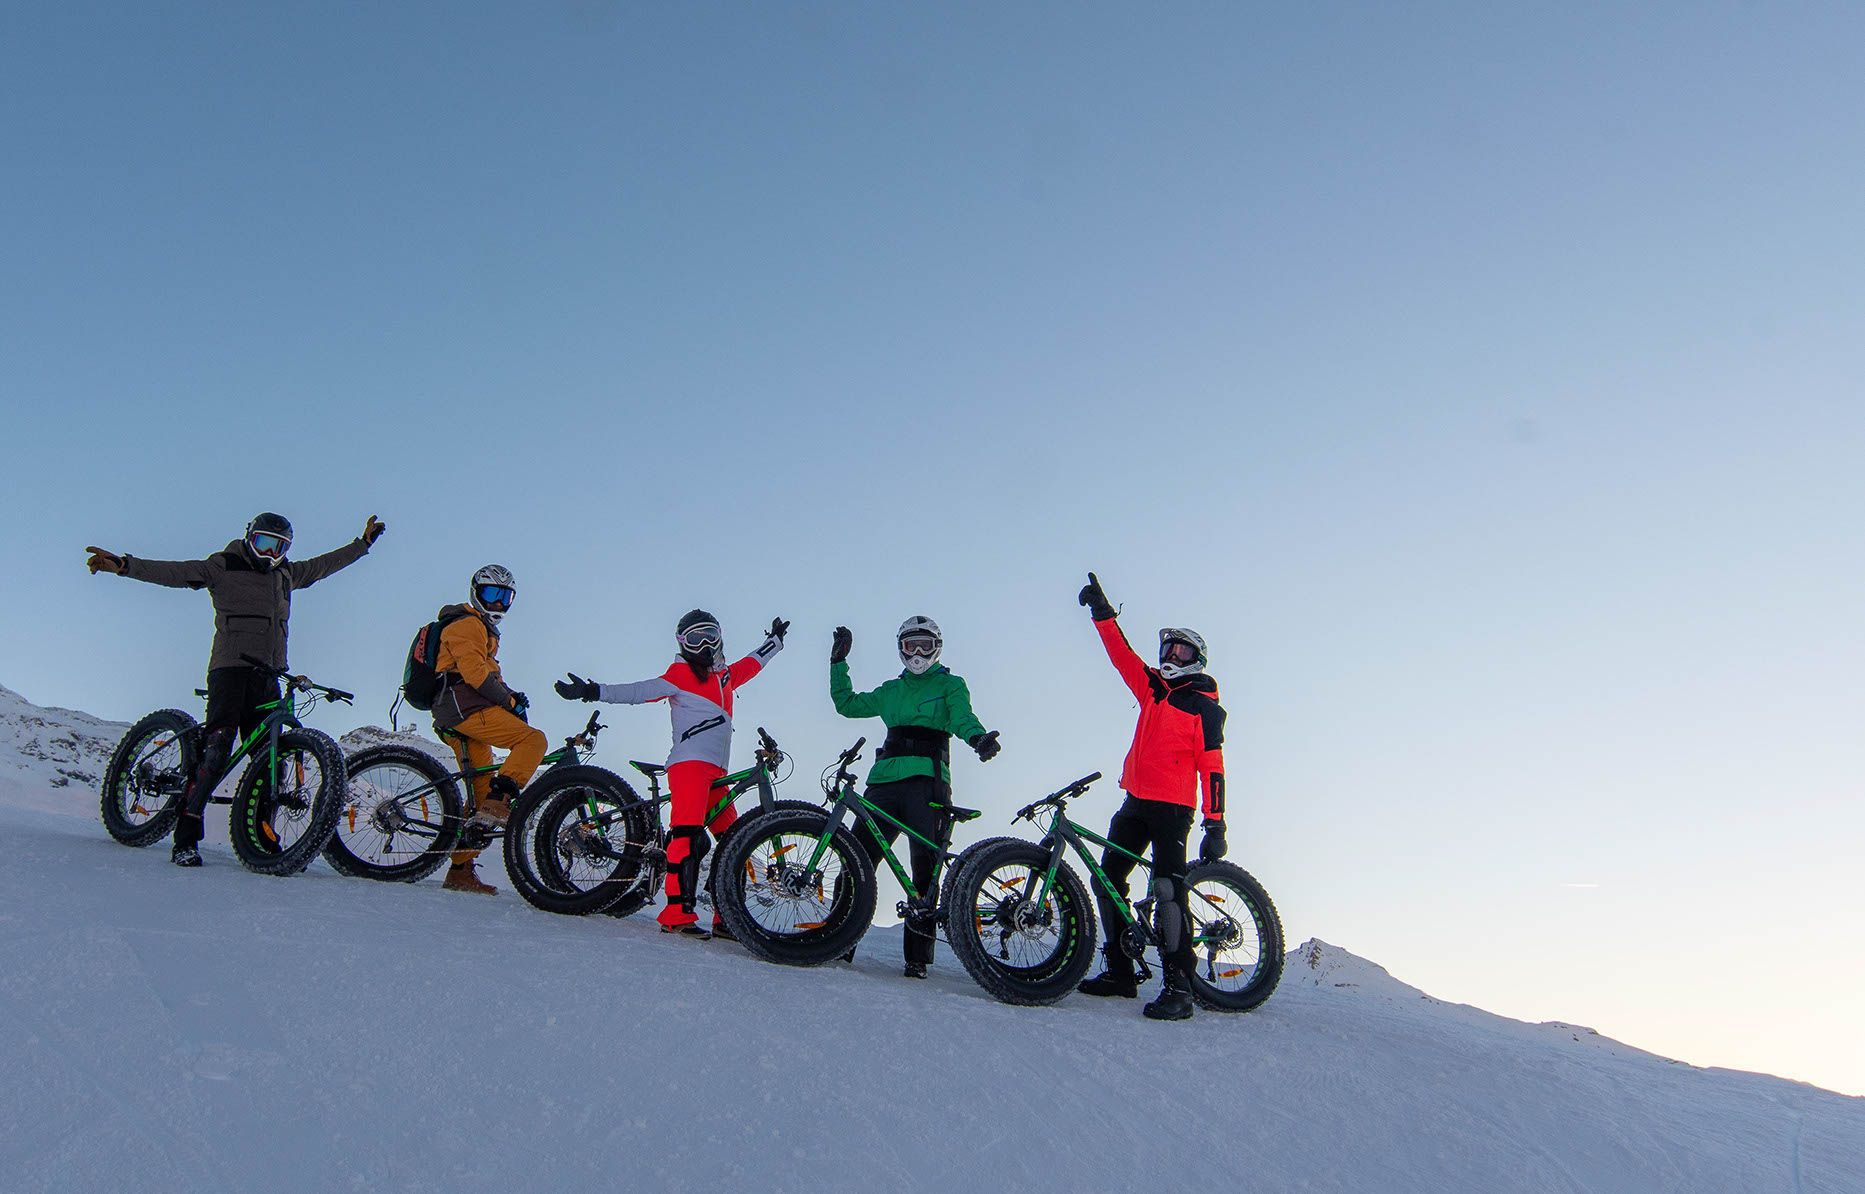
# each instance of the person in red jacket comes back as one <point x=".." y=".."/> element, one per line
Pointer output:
<point x="1177" y="756"/>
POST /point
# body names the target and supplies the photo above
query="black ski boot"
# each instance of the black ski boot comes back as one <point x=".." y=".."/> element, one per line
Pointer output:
<point x="185" y="856"/>
<point x="1117" y="980"/>
<point x="915" y="970"/>
<point x="1175" y="999"/>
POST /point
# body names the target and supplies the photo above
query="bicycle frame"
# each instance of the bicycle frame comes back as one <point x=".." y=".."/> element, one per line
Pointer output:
<point x="849" y="802"/>
<point x="279" y="715"/>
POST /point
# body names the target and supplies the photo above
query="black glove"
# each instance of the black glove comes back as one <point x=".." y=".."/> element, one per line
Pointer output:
<point x="576" y="688"/>
<point x="779" y="628"/>
<point x="1213" y="847"/>
<point x="1096" y="601"/>
<point x="839" y="648"/>
<point x="372" y="530"/>
<point x="985" y="744"/>
<point x="521" y="705"/>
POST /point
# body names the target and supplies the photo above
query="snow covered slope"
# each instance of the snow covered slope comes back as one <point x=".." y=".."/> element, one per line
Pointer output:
<point x="217" y="1030"/>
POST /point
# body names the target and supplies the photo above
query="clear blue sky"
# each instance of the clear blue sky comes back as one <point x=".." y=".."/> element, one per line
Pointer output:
<point x="1483" y="382"/>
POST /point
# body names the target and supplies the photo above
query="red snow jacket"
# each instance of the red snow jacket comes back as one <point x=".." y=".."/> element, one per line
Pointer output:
<point x="1180" y="736"/>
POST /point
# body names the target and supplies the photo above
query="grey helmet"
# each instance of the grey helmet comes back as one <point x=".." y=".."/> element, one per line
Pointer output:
<point x="919" y="628"/>
<point x="492" y="592"/>
<point x="1173" y="661"/>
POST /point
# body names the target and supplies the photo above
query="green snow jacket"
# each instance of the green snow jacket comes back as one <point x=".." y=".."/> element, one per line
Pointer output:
<point x="936" y="700"/>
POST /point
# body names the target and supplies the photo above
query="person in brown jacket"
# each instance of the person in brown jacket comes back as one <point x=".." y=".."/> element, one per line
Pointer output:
<point x="476" y="711"/>
<point x="251" y="583"/>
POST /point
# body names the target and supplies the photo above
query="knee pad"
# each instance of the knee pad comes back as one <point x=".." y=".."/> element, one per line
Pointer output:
<point x="1168" y="916"/>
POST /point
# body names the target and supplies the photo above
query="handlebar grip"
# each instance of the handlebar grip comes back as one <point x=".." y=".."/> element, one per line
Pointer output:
<point x="337" y="694"/>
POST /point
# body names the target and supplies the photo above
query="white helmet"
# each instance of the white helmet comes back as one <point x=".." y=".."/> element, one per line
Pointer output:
<point x="927" y="642"/>
<point x="1181" y="652"/>
<point x="493" y="590"/>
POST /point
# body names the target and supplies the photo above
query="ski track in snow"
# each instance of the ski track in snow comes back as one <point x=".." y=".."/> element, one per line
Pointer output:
<point x="215" y="1029"/>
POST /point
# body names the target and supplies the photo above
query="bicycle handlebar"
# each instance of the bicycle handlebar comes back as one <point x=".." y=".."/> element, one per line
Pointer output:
<point x="1058" y="798"/>
<point x="301" y="683"/>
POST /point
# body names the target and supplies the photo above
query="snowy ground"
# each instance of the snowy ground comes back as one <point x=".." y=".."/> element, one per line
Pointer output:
<point x="170" y="1030"/>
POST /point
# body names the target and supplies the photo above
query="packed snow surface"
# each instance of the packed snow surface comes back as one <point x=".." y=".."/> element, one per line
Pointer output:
<point x="218" y="1030"/>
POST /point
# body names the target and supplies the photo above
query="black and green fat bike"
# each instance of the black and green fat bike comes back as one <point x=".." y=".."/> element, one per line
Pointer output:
<point x="586" y="846"/>
<point x="1023" y="924"/>
<point x="406" y="809"/>
<point x="285" y="803"/>
<point x="797" y="886"/>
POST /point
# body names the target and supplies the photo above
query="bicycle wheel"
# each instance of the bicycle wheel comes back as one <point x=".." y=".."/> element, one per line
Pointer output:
<point x="278" y="831"/>
<point x="1236" y="935"/>
<point x="780" y="908"/>
<point x="519" y="843"/>
<point x="718" y="877"/>
<point x="1021" y="944"/>
<point x="148" y="775"/>
<point x="589" y="839"/>
<point x="400" y="818"/>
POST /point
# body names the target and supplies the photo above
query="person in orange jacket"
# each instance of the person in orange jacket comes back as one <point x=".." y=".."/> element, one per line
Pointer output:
<point x="476" y="711"/>
<point x="1178" y="748"/>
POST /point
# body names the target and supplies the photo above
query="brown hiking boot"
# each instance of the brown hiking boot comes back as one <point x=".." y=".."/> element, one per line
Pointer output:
<point x="462" y="877"/>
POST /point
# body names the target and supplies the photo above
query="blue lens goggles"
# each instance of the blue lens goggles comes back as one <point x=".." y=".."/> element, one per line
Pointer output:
<point x="272" y="547"/>
<point x="497" y="596"/>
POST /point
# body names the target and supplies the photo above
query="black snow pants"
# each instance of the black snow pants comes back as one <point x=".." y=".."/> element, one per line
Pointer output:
<point x="911" y="800"/>
<point x="234" y="695"/>
<point x="1137" y="826"/>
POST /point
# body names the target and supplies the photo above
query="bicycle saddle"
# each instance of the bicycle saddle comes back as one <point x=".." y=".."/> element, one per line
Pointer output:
<point x="962" y="815"/>
<point x="649" y="769"/>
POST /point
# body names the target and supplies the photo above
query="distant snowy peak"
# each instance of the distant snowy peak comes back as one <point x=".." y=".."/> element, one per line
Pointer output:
<point x="56" y="747"/>
<point x="1315" y="963"/>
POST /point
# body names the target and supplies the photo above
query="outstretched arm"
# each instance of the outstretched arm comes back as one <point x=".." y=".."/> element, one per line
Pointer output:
<point x="640" y="692"/>
<point x="173" y="574"/>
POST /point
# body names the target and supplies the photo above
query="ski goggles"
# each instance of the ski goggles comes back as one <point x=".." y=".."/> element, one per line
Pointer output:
<point x="499" y="597"/>
<point x="700" y="637"/>
<point x="920" y="644"/>
<point x="264" y="543"/>
<point x="1177" y="651"/>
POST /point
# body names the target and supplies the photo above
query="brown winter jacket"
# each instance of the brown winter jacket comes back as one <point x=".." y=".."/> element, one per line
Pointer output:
<point x="468" y="664"/>
<point x="252" y="603"/>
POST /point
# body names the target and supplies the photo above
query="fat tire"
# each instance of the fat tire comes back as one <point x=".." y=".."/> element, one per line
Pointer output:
<point x="1269" y="938"/>
<point x="812" y="948"/>
<point x="447" y="794"/>
<point x="1025" y="987"/>
<point x="326" y="803"/>
<point x="124" y="757"/>
<point x="526" y="851"/>
<point x="716" y="875"/>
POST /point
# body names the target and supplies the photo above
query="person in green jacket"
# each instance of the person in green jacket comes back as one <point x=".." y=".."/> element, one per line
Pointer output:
<point x="925" y="707"/>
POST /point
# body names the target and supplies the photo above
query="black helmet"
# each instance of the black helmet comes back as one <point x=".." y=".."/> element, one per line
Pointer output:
<point x="268" y="538"/>
<point x="700" y="640"/>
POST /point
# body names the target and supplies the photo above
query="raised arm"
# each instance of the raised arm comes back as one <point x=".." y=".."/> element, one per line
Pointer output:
<point x="305" y="573"/>
<point x="847" y="701"/>
<point x="1131" y="667"/>
<point x="754" y="663"/>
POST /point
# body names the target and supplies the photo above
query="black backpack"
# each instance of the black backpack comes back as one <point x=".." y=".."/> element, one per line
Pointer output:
<point x="421" y="681"/>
